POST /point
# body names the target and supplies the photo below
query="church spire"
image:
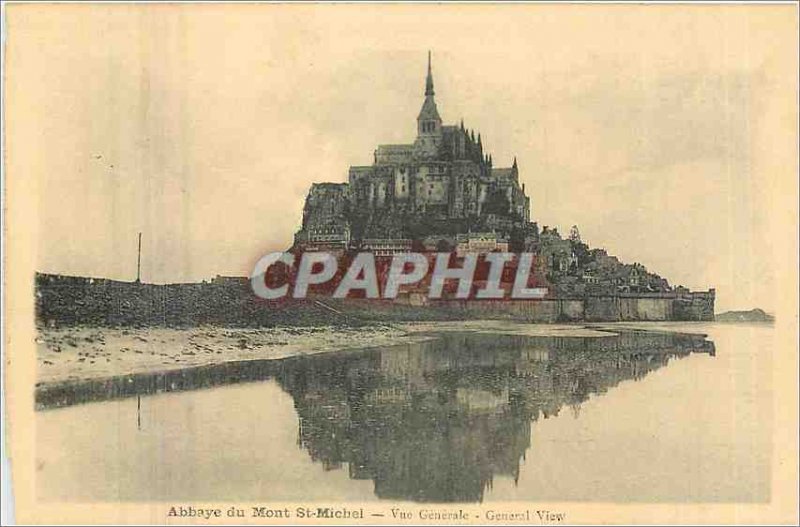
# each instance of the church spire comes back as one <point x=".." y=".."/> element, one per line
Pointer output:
<point x="428" y="120"/>
<point x="429" y="80"/>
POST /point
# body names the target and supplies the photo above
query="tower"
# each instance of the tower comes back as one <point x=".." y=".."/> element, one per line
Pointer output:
<point x="429" y="124"/>
<point x="575" y="234"/>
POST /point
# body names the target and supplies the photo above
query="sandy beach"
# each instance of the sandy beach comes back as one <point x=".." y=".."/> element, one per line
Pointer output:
<point x="84" y="353"/>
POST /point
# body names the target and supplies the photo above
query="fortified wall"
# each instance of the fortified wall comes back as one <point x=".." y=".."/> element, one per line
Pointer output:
<point x="70" y="300"/>
<point x="74" y="300"/>
<point x="692" y="306"/>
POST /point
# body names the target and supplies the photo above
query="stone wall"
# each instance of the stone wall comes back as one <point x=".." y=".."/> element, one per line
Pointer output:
<point x="79" y="300"/>
<point x="67" y="300"/>
<point x="695" y="305"/>
<point x="601" y="308"/>
<point x="589" y="309"/>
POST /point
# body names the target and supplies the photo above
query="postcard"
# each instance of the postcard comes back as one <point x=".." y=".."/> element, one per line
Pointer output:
<point x="401" y="264"/>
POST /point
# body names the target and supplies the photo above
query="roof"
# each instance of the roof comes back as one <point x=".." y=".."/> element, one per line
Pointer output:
<point x="385" y="241"/>
<point x="394" y="154"/>
<point x="395" y="148"/>
<point x="478" y="235"/>
<point x="429" y="111"/>
<point x="329" y="186"/>
<point x="503" y="172"/>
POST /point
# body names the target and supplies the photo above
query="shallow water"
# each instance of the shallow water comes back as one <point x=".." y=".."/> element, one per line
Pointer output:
<point x="463" y="417"/>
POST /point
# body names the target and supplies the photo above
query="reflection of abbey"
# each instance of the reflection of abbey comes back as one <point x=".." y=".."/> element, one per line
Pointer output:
<point x="439" y="420"/>
<point x="442" y="188"/>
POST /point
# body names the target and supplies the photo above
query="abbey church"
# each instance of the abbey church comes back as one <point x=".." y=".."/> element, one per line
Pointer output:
<point x="441" y="189"/>
<point x="443" y="193"/>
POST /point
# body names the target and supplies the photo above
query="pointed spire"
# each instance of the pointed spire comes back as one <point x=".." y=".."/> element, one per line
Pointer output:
<point x="479" y="139"/>
<point x="428" y="112"/>
<point x="515" y="162"/>
<point x="472" y="135"/>
<point x="462" y="124"/>
<point x="429" y="80"/>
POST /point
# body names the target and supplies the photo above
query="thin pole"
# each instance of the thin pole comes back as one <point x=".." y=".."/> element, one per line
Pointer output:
<point x="139" y="261"/>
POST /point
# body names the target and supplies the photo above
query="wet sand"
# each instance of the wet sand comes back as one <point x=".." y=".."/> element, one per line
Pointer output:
<point x="86" y="353"/>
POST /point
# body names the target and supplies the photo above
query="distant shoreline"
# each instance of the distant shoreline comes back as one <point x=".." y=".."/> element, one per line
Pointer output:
<point x="755" y="315"/>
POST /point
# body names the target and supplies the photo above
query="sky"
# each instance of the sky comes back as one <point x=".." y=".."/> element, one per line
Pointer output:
<point x="665" y="133"/>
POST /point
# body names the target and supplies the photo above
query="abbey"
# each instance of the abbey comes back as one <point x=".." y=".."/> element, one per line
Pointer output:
<point x="443" y="188"/>
<point x="443" y="193"/>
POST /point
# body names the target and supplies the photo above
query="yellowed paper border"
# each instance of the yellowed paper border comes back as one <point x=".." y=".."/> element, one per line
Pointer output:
<point x="23" y="161"/>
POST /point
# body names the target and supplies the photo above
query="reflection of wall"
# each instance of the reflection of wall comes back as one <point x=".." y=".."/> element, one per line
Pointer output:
<point x="437" y="420"/>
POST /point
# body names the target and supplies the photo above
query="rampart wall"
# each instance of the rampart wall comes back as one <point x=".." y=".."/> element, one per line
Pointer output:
<point x="79" y="300"/>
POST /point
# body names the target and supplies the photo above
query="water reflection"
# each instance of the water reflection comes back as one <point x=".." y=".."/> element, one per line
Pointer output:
<point x="435" y="422"/>
<point x="432" y="421"/>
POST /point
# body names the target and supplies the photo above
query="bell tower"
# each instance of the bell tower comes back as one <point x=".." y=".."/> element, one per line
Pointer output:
<point x="429" y="124"/>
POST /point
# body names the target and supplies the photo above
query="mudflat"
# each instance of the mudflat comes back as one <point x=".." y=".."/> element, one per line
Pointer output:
<point x="78" y="353"/>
